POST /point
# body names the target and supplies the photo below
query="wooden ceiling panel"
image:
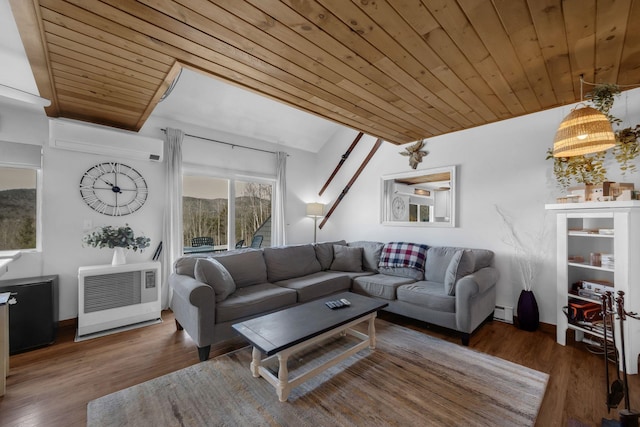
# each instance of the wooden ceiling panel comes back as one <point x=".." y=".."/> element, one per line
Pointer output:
<point x="401" y="70"/>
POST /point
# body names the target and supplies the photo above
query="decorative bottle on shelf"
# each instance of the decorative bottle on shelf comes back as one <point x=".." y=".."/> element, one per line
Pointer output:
<point x="528" y="314"/>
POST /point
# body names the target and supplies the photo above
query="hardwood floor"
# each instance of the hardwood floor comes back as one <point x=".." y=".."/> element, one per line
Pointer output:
<point x="51" y="386"/>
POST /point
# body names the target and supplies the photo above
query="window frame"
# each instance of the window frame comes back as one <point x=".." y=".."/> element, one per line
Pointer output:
<point x="39" y="226"/>
<point x="231" y="176"/>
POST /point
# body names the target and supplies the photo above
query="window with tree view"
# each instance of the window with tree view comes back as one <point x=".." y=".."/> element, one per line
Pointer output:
<point x="206" y="207"/>
<point x="18" y="208"/>
<point x="253" y="213"/>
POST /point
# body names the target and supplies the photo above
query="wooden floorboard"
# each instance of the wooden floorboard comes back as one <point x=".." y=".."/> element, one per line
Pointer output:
<point x="51" y="386"/>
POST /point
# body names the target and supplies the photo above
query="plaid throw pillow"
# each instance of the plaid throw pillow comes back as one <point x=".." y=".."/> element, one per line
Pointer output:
<point x="402" y="254"/>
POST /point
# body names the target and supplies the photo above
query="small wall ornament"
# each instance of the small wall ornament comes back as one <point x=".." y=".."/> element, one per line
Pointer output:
<point x="415" y="153"/>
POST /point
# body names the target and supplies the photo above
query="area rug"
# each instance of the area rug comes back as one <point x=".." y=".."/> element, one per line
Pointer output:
<point x="409" y="379"/>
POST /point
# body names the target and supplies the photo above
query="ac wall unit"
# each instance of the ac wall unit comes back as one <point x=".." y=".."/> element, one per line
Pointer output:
<point x="111" y="297"/>
<point x="94" y="139"/>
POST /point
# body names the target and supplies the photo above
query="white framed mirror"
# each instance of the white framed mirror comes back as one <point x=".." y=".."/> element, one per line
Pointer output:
<point x="424" y="198"/>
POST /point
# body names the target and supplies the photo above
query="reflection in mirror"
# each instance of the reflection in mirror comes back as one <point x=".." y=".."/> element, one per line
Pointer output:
<point x="423" y="197"/>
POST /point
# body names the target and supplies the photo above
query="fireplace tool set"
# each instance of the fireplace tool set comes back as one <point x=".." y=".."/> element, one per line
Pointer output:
<point x="619" y="387"/>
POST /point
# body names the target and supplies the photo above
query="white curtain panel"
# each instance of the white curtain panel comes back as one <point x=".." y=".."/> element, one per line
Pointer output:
<point x="172" y="222"/>
<point x="278" y="237"/>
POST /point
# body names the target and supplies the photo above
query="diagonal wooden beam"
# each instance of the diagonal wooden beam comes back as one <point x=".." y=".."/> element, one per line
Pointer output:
<point x="342" y="160"/>
<point x="348" y="186"/>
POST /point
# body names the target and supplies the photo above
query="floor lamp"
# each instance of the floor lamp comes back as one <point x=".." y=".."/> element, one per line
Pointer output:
<point x="315" y="210"/>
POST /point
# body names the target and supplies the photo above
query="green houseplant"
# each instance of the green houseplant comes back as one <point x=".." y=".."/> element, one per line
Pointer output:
<point x="119" y="239"/>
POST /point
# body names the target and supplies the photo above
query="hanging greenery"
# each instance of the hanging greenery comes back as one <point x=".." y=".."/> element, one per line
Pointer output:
<point x="626" y="149"/>
<point x="585" y="169"/>
<point x="603" y="96"/>
<point x="589" y="168"/>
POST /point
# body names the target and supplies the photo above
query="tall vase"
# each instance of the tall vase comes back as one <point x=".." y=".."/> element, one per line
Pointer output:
<point x="119" y="256"/>
<point x="528" y="314"/>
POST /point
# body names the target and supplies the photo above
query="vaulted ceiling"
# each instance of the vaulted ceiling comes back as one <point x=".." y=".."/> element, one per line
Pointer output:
<point x="400" y="70"/>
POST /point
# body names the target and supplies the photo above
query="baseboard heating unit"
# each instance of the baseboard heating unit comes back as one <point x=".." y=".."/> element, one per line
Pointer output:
<point x="503" y="314"/>
<point x="112" y="298"/>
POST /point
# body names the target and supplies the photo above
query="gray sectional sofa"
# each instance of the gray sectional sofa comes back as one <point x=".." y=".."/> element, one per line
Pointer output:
<point x="446" y="286"/>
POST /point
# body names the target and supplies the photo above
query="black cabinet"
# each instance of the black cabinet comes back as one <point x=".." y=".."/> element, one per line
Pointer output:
<point x="33" y="312"/>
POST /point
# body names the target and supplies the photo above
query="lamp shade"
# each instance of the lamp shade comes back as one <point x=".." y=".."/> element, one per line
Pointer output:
<point x="315" y="209"/>
<point x="585" y="130"/>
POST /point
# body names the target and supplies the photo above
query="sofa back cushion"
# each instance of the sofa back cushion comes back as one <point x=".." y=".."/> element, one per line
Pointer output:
<point x="346" y="258"/>
<point x="247" y="267"/>
<point x="483" y="258"/>
<point x="287" y="262"/>
<point x="324" y="252"/>
<point x="403" y="259"/>
<point x="371" y="252"/>
<point x="439" y="260"/>
<point x="213" y="273"/>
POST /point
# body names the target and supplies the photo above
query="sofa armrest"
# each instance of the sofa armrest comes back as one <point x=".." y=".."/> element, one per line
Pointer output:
<point x="197" y="293"/>
<point x="194" y="307"/>
<point x="477" y="282"/>
<point x="475" y="298"/>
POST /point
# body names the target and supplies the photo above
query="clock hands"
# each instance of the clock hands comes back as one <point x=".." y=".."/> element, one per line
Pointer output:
<point x="114" y="187"/>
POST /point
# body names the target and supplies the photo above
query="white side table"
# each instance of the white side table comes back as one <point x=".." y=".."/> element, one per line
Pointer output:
<point x="4" y="341"/>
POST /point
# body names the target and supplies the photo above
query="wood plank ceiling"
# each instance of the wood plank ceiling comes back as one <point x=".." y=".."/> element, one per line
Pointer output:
<point x="400" y="70"/>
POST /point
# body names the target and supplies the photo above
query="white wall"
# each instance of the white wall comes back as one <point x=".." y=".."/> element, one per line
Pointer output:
<point x="498" y="164"/>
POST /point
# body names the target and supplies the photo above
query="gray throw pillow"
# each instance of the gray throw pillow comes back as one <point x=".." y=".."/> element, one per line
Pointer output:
<point x="324" y="252"/>
<point x="462" y="264"/>
<point x="451" y="274"/>
<point x="214" y="274"/>
<point x="346" y="258"/>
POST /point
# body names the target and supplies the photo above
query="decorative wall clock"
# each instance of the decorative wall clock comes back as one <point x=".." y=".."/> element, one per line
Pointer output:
<point x="113" y="189"/>
<point x="399" y="208"/>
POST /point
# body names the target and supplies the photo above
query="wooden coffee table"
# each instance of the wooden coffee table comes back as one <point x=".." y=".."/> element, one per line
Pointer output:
<point x="283" y="333"/>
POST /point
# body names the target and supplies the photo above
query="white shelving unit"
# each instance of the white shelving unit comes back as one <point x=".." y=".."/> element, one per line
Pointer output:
<point x="578" y="226"/>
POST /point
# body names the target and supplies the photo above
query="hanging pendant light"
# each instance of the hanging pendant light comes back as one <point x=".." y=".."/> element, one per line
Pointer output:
<point x="585" y="130"/>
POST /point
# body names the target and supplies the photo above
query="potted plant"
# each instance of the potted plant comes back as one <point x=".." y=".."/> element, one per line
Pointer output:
<point x="589" y="168"/>
<point x="529" y="252"/>
<point x="118" y="239"/>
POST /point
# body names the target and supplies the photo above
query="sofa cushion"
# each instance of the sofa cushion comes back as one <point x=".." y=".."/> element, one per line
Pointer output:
<point x="346" y="259"/>
<point x="371" y="252"/>
<point x="186" y="264"/>
<point x="403" y="260"/>
<point x="483" y="258"/>
<point x="317" y="285"/>
<point x="287" y="262"/>
<point x="379" y="285"/>
<point x="429" y="295"/>
<point x="211" y="272"/>
<point x="438" y="260"/>
<point x="253" y="300"/>
<point x="461" y="264"/>
<point x="324" y="252"/>
<point x="247" y="267"/>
